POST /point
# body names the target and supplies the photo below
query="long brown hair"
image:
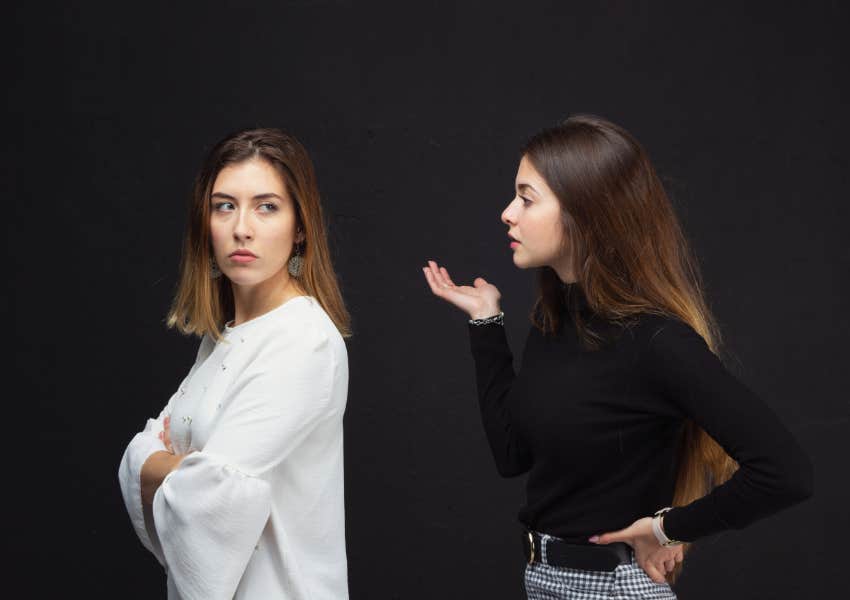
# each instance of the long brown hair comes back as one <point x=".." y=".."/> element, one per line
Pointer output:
<point x="630" y="255"/>
<point x="203" y="304"/>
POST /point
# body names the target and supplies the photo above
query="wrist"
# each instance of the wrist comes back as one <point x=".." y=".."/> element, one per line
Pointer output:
<point x="497" y="319"/>
<point x="658" y="529"/>
<point x="485" y="312"/>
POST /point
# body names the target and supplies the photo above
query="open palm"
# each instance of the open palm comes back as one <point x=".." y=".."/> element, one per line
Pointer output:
<point x="479" y="300"/>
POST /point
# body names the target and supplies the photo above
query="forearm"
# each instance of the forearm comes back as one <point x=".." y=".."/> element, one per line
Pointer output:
<point x="495" y="376"/>
<point x="774" y="471"/>
<point x="156" y="467"/>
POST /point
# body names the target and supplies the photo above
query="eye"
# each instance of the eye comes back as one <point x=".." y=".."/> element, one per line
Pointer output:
<point x="223" y="206"/>
<point x="525" y="201"/>
<point x="267" y="207"/>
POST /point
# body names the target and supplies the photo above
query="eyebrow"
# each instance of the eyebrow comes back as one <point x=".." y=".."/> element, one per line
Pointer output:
<point x="265" y="196"/>
<point x="524" y="187"/>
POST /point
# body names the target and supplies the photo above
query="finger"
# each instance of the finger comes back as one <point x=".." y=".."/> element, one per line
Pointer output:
<point x="434" y="277"/>
<point x="438" y="287"/>
<point x="653" y="573"/>
<point x="453" y="295"/>
<point x="615" y="536"/>
<point x="679" y="556"/>
<point x="669" y="565"/>
<point x="432" y="282"/>
<point x="479" y="281"/>
<point x="438" y="275"/>
<point x="441" y="278"/>
<point x="446" y="276"/>
<point x="166" y="439"/>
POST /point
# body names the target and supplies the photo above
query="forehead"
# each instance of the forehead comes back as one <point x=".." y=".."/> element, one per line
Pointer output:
<point x="528" y="177"/>
<point x="254" y="176"/>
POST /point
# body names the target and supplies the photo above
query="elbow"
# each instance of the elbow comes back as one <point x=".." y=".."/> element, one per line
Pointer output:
<point x="800" y="485"/>
<point x="507" y="470"/>
<point x="795" y="483"/>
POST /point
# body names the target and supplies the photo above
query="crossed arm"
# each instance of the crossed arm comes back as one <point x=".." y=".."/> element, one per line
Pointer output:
<point x="158" y="465"/>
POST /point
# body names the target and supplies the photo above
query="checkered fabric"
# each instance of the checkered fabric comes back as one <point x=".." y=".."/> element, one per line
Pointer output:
<point x="626" y="582"/>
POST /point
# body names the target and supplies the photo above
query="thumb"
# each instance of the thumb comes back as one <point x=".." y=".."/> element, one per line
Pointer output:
<point x="479" y="281"/>
<point x="623" y="535"/>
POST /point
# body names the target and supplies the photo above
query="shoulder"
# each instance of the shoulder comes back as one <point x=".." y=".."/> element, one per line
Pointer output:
<point x="665" y="345"/>
<point x="650" y="327"/>
<point x="653" y="333"/>
<point x="303" y="325"/>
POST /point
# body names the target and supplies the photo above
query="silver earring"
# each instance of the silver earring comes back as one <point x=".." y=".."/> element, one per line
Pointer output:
<point x="296" y="262"/>
<point x="215" y="272"/>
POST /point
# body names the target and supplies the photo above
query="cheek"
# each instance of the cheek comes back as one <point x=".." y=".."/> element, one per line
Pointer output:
<point x="557" y="236"/>
<point x="282" y="236"/>
<point x="216" y="235"/>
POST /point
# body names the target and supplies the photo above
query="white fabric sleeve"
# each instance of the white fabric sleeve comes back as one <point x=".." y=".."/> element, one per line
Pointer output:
<point x="211" y="510"/>
<point x="143" y="444"/>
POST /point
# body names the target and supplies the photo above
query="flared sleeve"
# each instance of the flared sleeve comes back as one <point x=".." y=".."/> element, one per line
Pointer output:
<point x="143" y="444"/>
<point x="209" y="513"/>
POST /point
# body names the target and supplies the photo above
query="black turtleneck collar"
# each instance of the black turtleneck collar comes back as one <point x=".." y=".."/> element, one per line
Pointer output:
<point x="574" y="298"/>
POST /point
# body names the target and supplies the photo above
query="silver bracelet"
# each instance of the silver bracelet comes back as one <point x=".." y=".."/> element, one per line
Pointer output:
<point x="497" y="319"/>
<point x="658" y="530"/>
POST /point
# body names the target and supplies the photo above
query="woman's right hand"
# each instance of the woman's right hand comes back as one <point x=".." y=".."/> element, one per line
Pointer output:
<point x="479" y="300"/>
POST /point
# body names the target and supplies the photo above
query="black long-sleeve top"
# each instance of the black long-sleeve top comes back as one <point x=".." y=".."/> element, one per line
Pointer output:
<point x="597" y="430"/>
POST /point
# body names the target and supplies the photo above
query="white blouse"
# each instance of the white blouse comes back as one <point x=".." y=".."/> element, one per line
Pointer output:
<point x="256" y="510"/>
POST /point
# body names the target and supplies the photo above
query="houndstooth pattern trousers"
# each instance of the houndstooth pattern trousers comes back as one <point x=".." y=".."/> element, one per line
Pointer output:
<point x="626" y="582"/>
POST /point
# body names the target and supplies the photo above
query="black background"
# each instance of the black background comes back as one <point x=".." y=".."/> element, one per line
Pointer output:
<point x="413" y="115"/>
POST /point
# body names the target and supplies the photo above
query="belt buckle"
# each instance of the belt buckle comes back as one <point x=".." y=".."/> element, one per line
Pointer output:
<point x="530" y="546"/>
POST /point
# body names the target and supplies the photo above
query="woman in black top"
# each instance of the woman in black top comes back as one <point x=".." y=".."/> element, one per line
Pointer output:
<point x="621" y="408"/>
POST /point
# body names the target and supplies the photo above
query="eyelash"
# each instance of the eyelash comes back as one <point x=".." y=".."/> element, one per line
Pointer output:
<point x="219" y="205"/>
<point x="525" y="201"/>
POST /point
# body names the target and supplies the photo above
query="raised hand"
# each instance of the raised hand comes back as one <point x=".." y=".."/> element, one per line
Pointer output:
<point x="479" y="300"/>
<point x="656" y="560"/>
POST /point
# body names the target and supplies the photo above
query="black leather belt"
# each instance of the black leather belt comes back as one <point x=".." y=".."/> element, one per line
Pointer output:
<point x="577" y="556"/>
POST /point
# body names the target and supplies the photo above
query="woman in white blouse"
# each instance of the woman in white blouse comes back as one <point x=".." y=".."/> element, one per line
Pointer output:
<point x="237" y="486"/>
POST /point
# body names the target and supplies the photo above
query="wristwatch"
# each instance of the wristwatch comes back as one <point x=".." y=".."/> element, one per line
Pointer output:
<point x="659" y="531"/>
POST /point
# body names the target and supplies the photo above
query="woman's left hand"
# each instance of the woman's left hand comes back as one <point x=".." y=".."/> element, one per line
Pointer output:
<point x="165" y="434"/>
<point x="656" y="560"/>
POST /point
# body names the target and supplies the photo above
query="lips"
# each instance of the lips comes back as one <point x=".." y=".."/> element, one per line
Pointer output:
<point x="243" y="256"/>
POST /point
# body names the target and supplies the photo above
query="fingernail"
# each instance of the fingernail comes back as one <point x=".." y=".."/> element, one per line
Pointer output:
<point x="594" y="539"/>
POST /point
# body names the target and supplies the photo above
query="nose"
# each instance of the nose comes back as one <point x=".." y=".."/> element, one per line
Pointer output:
<point x="242" y="229"/>
<point x="509" y="214"/>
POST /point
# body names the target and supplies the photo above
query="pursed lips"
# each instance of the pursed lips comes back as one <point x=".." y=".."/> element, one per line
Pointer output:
<point x="243" y="256"/>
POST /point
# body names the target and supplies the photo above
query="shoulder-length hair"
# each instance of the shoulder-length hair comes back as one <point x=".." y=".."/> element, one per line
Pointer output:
<point x="630" y="256"/>
<point x="203" y="304"/>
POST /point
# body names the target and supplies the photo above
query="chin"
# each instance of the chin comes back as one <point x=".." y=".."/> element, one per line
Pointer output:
<point x="243" y="279"/>
<point x="519" y="264"/>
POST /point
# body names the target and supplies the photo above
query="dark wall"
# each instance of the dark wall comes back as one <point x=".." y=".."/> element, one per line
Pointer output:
<point x="413" y="115"/>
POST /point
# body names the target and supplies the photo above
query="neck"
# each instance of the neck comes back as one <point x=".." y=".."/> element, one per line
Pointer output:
<point x="565" y="272"/>
<point x="249" y="302"/>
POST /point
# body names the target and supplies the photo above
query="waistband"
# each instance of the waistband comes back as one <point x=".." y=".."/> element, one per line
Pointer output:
<point x="559" y="553"/>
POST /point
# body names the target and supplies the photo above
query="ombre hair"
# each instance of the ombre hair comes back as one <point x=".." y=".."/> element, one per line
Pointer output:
<point x="203" y="304"/>
<point x="630" y="256"/>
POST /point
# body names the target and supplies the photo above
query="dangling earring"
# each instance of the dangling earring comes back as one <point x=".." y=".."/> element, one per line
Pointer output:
<point x="296" y="261"/>
<point x="215" y="272"/>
